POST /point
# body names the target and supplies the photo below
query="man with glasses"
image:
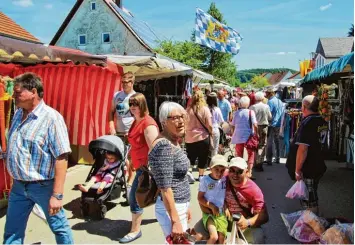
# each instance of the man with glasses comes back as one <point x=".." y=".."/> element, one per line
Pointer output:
<point x="120" y="111"/>
<point x="243" y="196"/>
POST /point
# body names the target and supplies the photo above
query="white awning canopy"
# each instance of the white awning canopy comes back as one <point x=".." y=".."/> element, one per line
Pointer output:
<point x="151" y="67"/>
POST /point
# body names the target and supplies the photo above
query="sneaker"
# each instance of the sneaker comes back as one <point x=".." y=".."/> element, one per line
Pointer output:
<point x="276" y="161"/>
<point x="190" y="178"/>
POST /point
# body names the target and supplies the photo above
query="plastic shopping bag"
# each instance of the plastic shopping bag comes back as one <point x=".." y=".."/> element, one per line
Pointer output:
<point x="298" y="191"/>
<point x="37" y="210"/>
<point x="304" y="226"/>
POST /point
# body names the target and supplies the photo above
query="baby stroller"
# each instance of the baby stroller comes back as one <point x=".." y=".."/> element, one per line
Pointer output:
<point x="112" y="191"/>
<point x="225" y="141"/>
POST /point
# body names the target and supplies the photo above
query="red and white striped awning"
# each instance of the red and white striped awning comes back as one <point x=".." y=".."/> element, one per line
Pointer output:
<point x="82" y="94"/>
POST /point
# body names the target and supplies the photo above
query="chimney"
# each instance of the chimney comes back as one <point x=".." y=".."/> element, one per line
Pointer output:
<point x="118" y="3"/>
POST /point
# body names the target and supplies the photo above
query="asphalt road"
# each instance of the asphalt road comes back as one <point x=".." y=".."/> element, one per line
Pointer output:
<point x="336" y="193"/>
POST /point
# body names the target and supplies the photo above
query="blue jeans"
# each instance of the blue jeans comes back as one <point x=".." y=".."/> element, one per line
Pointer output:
<point x="273" y="140"/>
<point x="135" y="209"/>
<point x="23" y="197"/>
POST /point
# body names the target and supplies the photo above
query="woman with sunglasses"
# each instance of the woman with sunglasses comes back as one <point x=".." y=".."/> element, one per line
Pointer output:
<point x="169" y="165"/>
<point x="141" y="135"/>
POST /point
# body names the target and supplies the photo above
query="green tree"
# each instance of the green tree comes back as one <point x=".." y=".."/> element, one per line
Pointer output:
<point x="351" y="31"/>
<point x="185" y="52"/>
<point x="245" y="85"/>
<point x="259" y="82"/>
<point x="216" y="63"/>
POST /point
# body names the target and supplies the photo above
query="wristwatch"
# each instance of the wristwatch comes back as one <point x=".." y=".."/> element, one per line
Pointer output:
<point x="58" y="196"/>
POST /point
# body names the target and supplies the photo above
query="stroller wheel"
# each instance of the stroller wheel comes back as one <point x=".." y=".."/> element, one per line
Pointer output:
<point x="85" y="208"/>
<point x="103" y="211"/>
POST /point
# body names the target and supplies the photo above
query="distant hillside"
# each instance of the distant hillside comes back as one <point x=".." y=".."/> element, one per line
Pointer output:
<point x="246" y="75"/>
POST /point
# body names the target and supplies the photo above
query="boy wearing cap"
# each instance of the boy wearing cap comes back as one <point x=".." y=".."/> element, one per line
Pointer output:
<point x="211" y="196"/>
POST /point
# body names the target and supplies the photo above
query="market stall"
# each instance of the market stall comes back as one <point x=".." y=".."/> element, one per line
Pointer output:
<point x="334" y="84"/>
<point x="160" y="78"/>
<point x="78" y="85"/>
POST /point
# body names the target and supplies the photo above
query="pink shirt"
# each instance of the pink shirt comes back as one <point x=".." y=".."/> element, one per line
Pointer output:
<point x="194" y="130"/>
<point x="249" y="195"/>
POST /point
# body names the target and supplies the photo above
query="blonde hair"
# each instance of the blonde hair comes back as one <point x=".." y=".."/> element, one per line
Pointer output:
<point x="198" y="100"/>
<point x="142" y="103"/>
<point x="129" y="76"/>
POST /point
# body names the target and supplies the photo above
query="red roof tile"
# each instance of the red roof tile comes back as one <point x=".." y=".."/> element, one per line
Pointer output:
<point x="277" y="77"/>
<point x="294" y="75"/>
<point x="10" y="29"/>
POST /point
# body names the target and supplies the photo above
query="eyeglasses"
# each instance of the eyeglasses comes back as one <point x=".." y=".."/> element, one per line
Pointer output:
<point x="133" y="104"/>
<point x="236" y="171"/>
<point x="176" y="118"/>
<point x="126" y="82"/>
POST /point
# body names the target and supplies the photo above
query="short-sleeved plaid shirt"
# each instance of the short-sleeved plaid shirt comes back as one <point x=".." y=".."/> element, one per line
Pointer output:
<point x="34" y="144"/>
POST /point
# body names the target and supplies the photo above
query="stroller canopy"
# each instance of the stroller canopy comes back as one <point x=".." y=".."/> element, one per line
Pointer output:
<point x="108" y="143"/>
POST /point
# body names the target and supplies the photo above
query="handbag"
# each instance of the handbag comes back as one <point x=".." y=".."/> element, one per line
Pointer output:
<point x="147" y="190"/>
<point x="253" y="141"/>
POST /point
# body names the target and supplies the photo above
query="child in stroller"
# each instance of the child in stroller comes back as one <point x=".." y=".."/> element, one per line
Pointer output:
<point x="108" y="148"/>
<point x="105" y="175"/>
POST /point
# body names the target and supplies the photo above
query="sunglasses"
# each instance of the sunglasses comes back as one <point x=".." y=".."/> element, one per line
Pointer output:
<point x="236" y="171"/>
<point x="133" y="103"/>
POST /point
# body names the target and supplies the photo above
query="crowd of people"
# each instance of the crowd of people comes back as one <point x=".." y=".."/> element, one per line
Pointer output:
<point x="38" y="159"/>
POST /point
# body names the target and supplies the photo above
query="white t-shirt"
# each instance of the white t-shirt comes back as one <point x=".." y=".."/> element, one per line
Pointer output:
<point x="123" y="114"/>
<point x="217" y="117"/>
<point x="215" y="190"/>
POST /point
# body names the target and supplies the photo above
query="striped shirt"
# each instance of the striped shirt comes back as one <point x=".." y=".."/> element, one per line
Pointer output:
<point x="35" y="143"/>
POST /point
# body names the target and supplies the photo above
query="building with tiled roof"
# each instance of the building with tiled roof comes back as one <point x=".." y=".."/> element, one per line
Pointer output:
<point x="105" y="27"/>
<point x="330" y="49"/>
<point x="279" y="77"/>
<point x="9" y="28"/>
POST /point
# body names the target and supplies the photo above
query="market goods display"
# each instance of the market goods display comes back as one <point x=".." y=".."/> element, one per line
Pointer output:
<point x="338" y="234"/>
<point x="324" y="93"/>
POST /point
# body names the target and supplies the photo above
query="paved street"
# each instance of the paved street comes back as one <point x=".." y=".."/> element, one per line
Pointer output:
<point x="335" y="192"/>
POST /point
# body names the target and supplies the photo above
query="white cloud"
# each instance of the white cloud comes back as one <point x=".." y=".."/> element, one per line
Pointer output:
<point x="283" y="53"/>
<point x="48" y="6"/>
<point x="23" y="3"/>
<point x="325" y="7"/>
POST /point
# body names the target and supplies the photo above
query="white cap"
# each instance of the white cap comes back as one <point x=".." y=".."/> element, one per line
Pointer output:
<point x="238" y="162"/>
<point x="218" y="160"/>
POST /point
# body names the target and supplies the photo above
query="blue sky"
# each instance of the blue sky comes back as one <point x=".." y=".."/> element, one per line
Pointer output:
<point x="277" y="33"/>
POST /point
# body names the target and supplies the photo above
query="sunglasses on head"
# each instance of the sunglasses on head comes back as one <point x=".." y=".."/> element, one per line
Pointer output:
<point x="237" y="171"/>
<point x="133" y="103"/>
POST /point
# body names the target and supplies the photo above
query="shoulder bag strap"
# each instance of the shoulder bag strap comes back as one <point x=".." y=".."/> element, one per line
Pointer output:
<point x="250" y="124"/>
<point x="203" y="125"/>
<point x="245" y="210"/>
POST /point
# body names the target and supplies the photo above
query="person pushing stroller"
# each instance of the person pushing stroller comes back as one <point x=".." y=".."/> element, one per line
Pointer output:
<point x="104" y="175"/>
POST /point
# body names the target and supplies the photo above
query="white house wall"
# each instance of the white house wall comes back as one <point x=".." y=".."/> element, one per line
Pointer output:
<point x="95" y="22"/>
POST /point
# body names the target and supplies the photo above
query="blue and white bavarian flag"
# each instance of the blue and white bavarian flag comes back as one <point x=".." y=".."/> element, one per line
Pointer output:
<point x="215" y="35"/>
